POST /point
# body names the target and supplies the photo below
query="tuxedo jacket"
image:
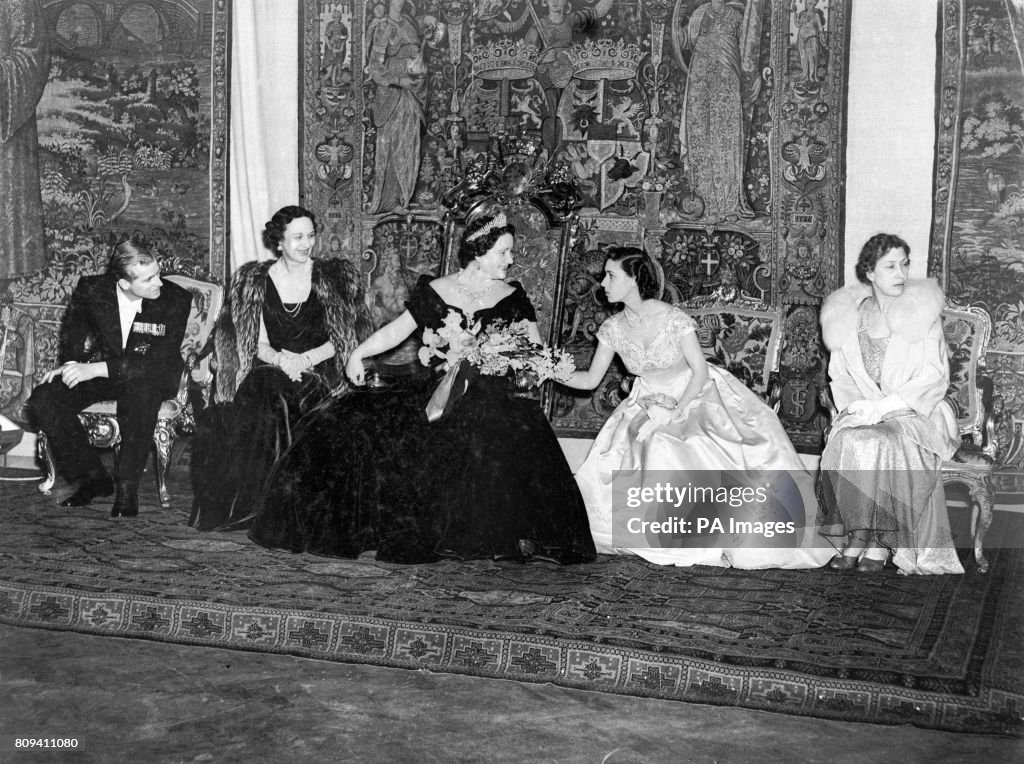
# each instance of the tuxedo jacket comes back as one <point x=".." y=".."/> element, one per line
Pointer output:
<point x="152" y="356"/>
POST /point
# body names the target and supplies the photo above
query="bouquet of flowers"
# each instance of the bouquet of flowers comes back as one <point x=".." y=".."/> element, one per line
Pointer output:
<point x="501" y="349"/>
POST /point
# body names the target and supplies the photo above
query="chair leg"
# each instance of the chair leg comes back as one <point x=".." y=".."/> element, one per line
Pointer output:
<point x="46" y="455"/>
<point x="163" y="437"/>
<point x="982" y="498"/>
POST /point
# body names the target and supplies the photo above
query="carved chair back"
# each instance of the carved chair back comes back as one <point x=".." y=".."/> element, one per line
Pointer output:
<point x="968" y="330"/>
<point x="206" y="303"/>
<point x="742" y="335"/>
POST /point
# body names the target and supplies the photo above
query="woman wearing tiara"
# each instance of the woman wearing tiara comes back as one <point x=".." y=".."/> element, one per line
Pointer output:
<point x="692" y="425"/>
<point x="486" y="480"/>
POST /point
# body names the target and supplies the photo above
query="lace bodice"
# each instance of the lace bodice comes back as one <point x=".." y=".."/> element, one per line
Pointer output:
<point x="665" y="350"/>
<point x="872" y="349"/>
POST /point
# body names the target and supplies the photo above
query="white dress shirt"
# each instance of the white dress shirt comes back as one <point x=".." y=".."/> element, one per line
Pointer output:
<point x="128" y="308"/>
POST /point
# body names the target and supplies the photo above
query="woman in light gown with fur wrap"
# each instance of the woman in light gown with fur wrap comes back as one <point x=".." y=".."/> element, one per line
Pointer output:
<point x="889" y="374"/>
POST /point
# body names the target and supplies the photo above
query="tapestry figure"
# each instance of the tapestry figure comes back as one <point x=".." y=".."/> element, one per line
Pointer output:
<point x="810" y="30"/>
<point x="714" y="114"/>
<point x="335" y="49"/>
<point x="24" y="65"/>
<point x="396" y="66"/>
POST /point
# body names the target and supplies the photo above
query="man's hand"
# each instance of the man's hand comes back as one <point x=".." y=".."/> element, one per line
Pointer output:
<point x="52" y="374"/>
<point x="73" y="373"/>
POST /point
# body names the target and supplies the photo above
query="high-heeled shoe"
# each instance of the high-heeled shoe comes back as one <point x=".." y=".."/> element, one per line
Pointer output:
<point x="869" y="565"/>
<point x="843" y="562"/>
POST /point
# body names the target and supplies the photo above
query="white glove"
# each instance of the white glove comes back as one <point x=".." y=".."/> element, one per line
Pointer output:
<point x="867" y="412"/>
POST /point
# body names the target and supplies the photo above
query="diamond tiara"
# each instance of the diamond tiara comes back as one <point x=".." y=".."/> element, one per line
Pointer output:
<point x="500" y="221"/>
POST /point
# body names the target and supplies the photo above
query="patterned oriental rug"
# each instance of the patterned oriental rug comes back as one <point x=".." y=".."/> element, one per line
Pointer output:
<point x="944" y="652"/>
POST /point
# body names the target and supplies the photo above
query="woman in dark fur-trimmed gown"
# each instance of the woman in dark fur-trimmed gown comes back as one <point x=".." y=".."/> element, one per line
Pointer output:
<point x="280" y="341"/>
<point x="486" y="480"/>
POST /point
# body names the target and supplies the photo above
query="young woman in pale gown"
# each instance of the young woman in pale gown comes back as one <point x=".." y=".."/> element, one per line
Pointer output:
<point x="690" y="423"/>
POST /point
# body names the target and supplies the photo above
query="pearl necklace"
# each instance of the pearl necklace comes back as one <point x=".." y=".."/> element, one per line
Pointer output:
<point x="287" y="278"/>
<point x="293" y="311"/>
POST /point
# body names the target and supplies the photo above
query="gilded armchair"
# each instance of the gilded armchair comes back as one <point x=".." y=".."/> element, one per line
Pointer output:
<point x="968" y="330"/>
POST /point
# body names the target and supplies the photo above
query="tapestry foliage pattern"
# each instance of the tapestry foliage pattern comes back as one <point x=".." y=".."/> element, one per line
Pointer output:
<point x="976" y="243"/>
<point x="132" y="142"/>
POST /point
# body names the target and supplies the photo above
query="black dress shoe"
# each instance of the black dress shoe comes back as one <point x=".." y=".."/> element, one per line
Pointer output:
<point x="89" y="490"/>
<point x="126" y="503"/>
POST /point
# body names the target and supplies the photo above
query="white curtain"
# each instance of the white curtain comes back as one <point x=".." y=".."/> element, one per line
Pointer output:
<point x="264" y="133"/>
<point x="890" y="146"/>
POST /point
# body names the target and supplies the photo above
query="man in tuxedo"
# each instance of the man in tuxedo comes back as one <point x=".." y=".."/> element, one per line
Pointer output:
<point x="121" y="340"/>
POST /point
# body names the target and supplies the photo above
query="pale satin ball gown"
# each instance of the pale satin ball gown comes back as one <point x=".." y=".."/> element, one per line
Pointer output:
<point x="726" y="428"/>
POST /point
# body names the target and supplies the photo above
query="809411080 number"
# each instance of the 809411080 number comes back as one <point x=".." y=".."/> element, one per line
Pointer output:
<point x="46" y="742"/>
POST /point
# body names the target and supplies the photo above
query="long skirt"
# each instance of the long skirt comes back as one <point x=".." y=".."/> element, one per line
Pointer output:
<point x="877" y="478"/>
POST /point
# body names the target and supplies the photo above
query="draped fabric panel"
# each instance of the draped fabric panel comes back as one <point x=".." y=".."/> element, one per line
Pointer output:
<point x="264" y="120"/>
<point x="890" y="130"/>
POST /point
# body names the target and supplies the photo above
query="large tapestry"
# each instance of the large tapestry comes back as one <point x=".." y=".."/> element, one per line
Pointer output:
<point x="708" y="132"/>
<point x="976" y="243"/>
<point x="132" y="127"/>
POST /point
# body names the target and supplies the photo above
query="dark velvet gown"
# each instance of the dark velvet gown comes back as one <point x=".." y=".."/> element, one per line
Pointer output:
<point x="487" y="480"/>
<point x="236" y="444"/>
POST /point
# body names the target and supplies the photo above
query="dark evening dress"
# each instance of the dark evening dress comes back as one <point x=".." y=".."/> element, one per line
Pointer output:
<point x="237" y="443"/>
<point x="487" y="480"/>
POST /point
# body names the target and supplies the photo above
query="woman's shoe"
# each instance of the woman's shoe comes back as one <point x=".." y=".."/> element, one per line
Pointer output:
<point x="843" y="562"/>
<point x="868" y="565"/>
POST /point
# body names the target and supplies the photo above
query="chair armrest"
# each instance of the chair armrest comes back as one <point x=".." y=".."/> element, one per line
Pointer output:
<point x="825" y="401"/>
<point x="773" y="393"/>
<point x="181" y="396"/>
<point x="989" y="442"/>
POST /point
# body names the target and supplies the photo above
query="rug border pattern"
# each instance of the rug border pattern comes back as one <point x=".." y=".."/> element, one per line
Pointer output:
<point x="528" y="658"/>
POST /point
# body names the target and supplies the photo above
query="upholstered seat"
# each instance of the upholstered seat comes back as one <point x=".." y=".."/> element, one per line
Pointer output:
<point x="100" y="419"/>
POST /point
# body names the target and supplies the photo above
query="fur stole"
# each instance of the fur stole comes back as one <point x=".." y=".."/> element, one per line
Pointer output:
<point x="337" y="285"/>
<point x="911" y="316"/>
